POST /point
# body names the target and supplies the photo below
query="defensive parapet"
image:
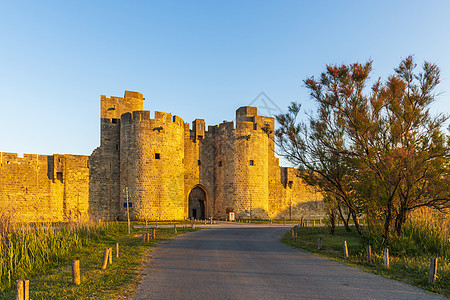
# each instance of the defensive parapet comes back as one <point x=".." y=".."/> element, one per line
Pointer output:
<point x="114" y="107"/>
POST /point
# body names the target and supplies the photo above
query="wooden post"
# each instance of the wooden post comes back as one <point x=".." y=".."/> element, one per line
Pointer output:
<point x="205" y="221"/>
<point x="156" y="222"/>
<point x="117" y="250"/>
<point x="23" y="290"/>
<point x="345" y="249"/>
<point x="369" y="254"/>
<point x="210" y="221"/>
<point x="292" y="232"/>
<point x="144" y="238"/>
<point x="154" y="233"/>
<point x="105" y="258"/>
<point x="284" y="221"/>
<point x="20" y="290"/>
<point x="175" y="227"/>
<point x="76" y="272"/>
<point x="110" y="255"/>
<point x="319" y="243"/>
<point x="433" y="270"/>
<point x="386" y="258"/>
<point x="192" y="223"/>
<point x="147" y="236"/>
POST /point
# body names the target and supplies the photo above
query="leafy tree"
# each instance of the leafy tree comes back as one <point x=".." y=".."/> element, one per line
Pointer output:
<point x="379" y="151"/>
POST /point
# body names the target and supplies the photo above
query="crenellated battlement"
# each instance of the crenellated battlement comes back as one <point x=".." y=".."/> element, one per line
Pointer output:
<point x="159" y="118"/>
<point x="113" y="107"/>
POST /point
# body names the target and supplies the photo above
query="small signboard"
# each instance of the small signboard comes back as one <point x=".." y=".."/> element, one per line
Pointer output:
<point x="231" y="216"/>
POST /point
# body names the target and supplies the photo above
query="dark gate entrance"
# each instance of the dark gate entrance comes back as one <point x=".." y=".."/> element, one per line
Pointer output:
<point x="197" y="201"/>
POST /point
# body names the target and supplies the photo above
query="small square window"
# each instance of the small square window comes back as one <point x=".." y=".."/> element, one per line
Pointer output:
<point x="59" y="176"/>
<point x="220" y="163"/>
<point x="199" y="163"/>
<point x="157" y="155"/>
<point x="252" y="162"/>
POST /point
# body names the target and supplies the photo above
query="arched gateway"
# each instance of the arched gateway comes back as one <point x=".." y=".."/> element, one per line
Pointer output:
<point x="197" y="203"/>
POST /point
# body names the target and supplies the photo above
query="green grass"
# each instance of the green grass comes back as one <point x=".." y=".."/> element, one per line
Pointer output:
<point x="54" y="280"/>
<point x="405" y="266"/>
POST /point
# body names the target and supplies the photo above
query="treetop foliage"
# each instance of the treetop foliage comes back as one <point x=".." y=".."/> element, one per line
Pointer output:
<point x="373" y="149"/>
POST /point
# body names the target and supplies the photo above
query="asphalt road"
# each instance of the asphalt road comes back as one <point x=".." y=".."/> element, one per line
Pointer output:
<point x="249" y="262"/>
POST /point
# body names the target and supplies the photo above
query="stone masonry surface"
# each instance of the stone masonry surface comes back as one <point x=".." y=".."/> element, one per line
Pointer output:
<point x="170" y="171"/>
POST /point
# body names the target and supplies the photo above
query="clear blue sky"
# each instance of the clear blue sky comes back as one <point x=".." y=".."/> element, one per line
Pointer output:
<point x="195" y="59"/>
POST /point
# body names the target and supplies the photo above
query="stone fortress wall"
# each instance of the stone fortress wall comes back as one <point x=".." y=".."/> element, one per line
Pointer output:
<point x="44" y="188"/>
<point x="175" y="172"/>
<point x="172" y="171"/>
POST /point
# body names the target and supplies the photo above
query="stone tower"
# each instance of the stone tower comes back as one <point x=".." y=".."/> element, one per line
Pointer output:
<point x="175" y="172"/>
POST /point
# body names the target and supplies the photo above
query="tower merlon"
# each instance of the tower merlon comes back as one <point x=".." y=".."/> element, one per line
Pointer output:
<point x="246" y="113"/>
<point x="131" y="94"/>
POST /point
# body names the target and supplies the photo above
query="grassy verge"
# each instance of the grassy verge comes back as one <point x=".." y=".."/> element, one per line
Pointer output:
<point x="119" y="279"/>
<point x="405" y="267"/>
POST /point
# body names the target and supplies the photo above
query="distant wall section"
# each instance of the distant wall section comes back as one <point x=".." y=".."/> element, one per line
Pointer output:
<point x="45" y="187"/>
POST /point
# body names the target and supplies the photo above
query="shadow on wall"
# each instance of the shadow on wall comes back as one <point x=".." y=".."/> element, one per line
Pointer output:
<point x="308" y="209"/>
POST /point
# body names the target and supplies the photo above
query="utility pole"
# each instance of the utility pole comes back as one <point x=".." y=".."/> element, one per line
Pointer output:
<point x="250" y="209"/>
<point x="128" y="209"/>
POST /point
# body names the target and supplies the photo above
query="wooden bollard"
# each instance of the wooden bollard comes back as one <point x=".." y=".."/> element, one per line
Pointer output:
<point x="345" y="249"/>
<point x="76" y="279"/>
<point x="284" y="221"/>
<point x="105" y="258"/>
<point x="23" y="290"/>
<point x="386" y="258"/>
<point x="175" y="228"/>
<point x="433" y="270"/>
<point x="319" y="243"/>
<point x="192" y="223"/>
<point x="147" y="236"/>
<point x="154" y="233"/>
<point x="144" y="238"/>
<point x="117" y="250"/>
<point x="110" y="255"/>
<point x="369" y="254"/>
<point x="210" y="221"/>
<point x="292" y="232"/>
<point x="205" y="221"/>
<point x="156" y="223"/>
